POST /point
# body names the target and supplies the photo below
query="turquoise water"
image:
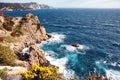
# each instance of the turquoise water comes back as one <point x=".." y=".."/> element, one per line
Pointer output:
<point x="97" y="31"/>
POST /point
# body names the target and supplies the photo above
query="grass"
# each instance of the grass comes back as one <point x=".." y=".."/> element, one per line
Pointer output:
<point x="10" y="39"/>
<point x="3" y="74"/>
<point x="7" y="57"/>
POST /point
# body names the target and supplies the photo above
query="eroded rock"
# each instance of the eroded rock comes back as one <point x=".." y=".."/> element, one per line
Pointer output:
<point x="75" y="45"/>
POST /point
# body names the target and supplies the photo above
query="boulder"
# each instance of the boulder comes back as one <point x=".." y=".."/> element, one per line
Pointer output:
<point x="75" y="45"/>
<point x="37" y="57"/>
<point x="49" y="36"/>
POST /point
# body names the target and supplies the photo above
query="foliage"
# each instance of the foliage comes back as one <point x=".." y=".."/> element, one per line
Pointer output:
<point x="17" y="31"/>
<point x="42" y="73"/>
<point x="10" y="39"/>
<point x="7" y="27"/>
<point x="7" y="57"/>
<point x="3" y="74"/>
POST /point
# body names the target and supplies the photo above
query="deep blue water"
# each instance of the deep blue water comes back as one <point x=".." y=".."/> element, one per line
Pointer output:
<point x="96" y="30"/>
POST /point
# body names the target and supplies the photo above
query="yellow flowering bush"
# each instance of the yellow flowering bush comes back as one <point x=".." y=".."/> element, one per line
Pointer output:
<point x="42" y="73"/>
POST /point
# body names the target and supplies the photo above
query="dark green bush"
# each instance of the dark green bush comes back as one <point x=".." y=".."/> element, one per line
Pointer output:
<point x="3" y="74"/>
<point x="7" y="27"/>
<point x="17" y="31"/>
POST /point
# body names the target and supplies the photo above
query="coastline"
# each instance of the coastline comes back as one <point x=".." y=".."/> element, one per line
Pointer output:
<point x="18" y="33"/>
<point x="69" y="48"/>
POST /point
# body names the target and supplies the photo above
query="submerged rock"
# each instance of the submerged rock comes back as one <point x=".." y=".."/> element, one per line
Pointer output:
<point x="75" y="45"/>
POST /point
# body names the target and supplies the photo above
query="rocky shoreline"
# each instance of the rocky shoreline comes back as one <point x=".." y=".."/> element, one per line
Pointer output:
<point x="19" y="33"/>
<point x="22" y="6"/>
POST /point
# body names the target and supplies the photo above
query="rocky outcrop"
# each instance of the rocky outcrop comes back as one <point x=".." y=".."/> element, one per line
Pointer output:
<point x="21" y="32"/>
<point x="36" y="57"/>
<point x="75" y="45"/>
<point x="12" y="72"/>
<point x="22" y="6"/>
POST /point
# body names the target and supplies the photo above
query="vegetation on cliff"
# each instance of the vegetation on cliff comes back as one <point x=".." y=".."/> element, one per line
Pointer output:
<point x="3" y="74"/>
<point x="7" y="57"/>
<point x="17" y="33"/>
<point x="42" y="73"/>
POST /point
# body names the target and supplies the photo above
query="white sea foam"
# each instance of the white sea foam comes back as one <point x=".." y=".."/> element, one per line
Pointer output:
<point x="67" y="73"/>
<point x="115" y="64"/>
<point x="99" y="65"/>
<point x="115" y="75"/>
<point x="110" y="73"/>
<point x="75" y="49"/>
<point x="56" y="38"/>
<point x="69" y="48"/>
<point x="83" y="47"/>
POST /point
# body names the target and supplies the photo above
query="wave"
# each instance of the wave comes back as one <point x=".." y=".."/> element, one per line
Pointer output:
<point x="61" y="62"/>
<point x="71" y="48"/>
<point x="56" y="38"/>
<point x="115" y="75"/>
<point x="113" y="64"/>
<point x="112" y="25"/>
<point x="110" y="73"/>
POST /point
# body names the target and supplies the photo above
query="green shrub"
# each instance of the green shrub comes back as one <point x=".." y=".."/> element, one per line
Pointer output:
<point x="42" y="73"/>
<point x="7" y="27"/>
<point x="17" y="31"/>
<point x="7" y="57"/>
<point x="3" y="74"/>
<point x="10" y="39"/>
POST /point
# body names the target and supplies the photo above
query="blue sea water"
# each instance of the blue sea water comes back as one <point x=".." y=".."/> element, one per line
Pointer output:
<point x="97" y="31"/>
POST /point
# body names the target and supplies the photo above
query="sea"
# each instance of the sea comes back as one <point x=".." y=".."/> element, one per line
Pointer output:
<point x="97" y="31"/>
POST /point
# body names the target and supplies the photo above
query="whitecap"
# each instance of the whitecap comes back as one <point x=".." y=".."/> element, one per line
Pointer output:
<point x="61" y="62"/>
<point x="115" y="75"/>
<point x="83" y="47"/>
<point x="56" y="38"/>
<point x="110" y="73"/>
<point x="114" y="64"/>
<point x="99" y="65"/>
<point x="71" y="48"/>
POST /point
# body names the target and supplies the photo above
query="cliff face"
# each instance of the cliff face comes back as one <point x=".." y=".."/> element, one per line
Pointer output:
<point x="22" y="6"/>
<point x="21" y="32"/>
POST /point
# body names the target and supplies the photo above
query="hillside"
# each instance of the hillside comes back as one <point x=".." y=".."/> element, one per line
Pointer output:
<point x="22" y="6"/>
<point x="16" y="35"/>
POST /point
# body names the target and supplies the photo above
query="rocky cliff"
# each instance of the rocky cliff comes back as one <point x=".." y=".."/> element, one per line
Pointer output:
<point x="18" y="33"/>
<point x="22" y="6"/>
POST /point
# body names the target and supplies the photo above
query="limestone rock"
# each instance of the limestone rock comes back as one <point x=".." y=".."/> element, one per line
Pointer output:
<point x="2" y="35"/>
<point x="37" y="57"/>
<point x="29" y="32"/>
<point x="12" y="72"/>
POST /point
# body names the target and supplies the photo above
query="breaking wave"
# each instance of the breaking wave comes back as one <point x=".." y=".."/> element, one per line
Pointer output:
<point x="61" y="62"/>
<point x="115" y="75"/>
<point x="56" y="38"/>
<point x="71" y="48"/>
